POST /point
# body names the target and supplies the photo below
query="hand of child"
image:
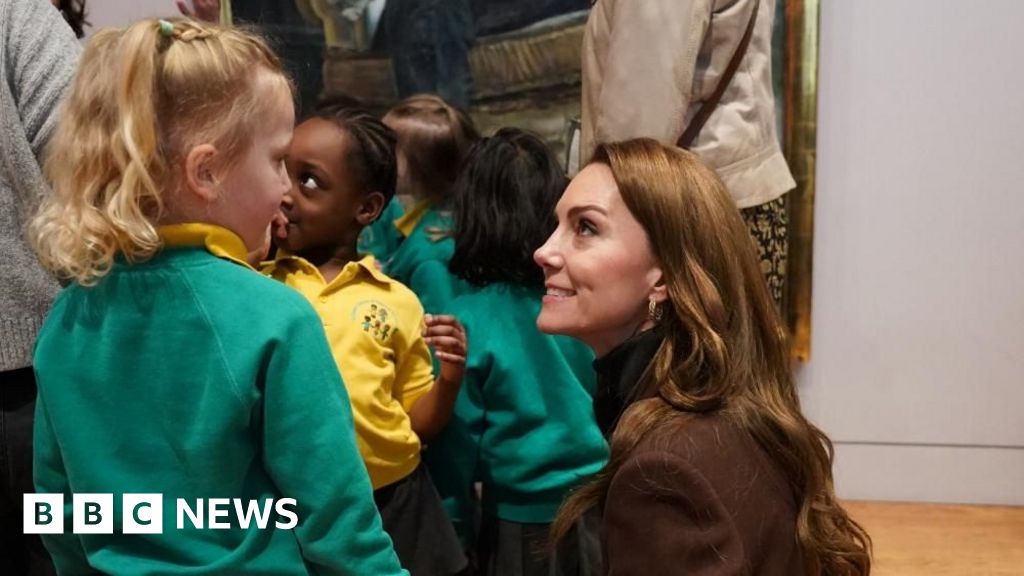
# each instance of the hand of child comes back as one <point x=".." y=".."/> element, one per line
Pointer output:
<point x="205" y="10"/>
<point x="448" y="339"/>
<point x="259" y="254"/>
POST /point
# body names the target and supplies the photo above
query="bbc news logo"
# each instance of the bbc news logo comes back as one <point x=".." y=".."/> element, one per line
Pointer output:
<point x="144" y="513"/>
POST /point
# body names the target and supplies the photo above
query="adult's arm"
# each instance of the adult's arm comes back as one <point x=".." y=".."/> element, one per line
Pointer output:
<point x="40" y="55"/>
<point x="639" y="58"/>
<point x="662" y="516"/>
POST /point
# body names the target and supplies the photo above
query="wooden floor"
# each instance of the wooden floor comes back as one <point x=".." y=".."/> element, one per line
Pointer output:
<point x="940" y="540"/>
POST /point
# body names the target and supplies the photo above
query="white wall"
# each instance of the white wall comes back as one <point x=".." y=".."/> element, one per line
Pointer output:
<point x="917" y="368"/>
<point x="104" y="13"/>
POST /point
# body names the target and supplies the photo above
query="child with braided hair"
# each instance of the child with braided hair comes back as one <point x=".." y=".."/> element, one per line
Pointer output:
<point x="343" y="171"/>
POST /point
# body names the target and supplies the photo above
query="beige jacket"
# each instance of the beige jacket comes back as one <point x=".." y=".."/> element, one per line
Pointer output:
<point x="649" y="64"/>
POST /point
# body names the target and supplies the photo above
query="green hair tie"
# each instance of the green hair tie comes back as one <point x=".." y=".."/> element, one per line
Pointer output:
<point x="166" y="28"/>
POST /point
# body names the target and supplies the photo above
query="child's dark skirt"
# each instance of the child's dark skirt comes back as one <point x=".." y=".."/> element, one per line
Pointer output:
<point x="514" y="549"/>
<point x="420" y="530"/>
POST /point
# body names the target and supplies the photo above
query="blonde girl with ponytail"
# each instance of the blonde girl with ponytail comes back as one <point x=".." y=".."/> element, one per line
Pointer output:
<point x="168" y="367"/>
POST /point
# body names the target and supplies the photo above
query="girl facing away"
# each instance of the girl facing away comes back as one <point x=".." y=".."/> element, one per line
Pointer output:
<point x="168" y="366"/>
<point x="523" y="427"/>
<point x="433" y="138"/>
<point x="713" y="467"/>
<point x="342" y="167"/>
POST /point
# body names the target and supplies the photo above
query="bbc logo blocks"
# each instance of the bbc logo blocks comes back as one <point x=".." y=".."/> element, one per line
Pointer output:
<point x="93" y="514"/>
<point x="43" y="514"/>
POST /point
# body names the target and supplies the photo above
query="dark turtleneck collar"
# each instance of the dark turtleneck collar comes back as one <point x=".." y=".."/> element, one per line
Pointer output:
<point x="618" y="373"/>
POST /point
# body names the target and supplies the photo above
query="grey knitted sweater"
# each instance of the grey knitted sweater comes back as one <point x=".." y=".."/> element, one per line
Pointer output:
<point x="38" y="54"/>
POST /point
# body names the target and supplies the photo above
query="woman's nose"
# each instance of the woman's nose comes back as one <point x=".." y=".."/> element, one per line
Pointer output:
<point x="545" y="255"/>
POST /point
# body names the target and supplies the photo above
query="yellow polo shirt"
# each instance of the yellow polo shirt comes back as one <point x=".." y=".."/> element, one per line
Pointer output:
<point x="375" y="328"/>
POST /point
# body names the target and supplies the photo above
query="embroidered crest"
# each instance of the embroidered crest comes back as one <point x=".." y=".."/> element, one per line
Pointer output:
<point x="375" y="319"/>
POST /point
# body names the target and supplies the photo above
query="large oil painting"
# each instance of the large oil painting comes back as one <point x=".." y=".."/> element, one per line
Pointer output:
<point x="525" y="70"/>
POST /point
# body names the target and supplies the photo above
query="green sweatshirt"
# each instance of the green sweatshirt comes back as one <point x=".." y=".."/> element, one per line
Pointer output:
<point x="381" y="238"/>
<point x="421" y="260"/>
<point x="524" y="422"/>
<point x="193" y="376"/>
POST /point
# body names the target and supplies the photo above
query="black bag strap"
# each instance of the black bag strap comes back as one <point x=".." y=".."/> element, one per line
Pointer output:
<point x="699" y="119"/>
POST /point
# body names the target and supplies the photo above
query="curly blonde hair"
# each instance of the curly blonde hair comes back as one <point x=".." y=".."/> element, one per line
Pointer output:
<point x="142" y="97"/>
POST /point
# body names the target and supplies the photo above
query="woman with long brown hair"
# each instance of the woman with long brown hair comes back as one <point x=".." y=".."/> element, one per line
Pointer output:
<point x="713" y="469"/>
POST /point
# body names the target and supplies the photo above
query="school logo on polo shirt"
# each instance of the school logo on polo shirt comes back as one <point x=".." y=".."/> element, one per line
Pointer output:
<point x="375" y="319"/>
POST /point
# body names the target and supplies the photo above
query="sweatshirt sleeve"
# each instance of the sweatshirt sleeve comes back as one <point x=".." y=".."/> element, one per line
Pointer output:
<point x="434" y="285"/>
<point x="50" y="477"/>
<point x="310" y="452"/>
<point x="454" y="455"/>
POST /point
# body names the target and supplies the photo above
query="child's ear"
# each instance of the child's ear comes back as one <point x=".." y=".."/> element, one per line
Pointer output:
<point x="371" y="207"/>
<point x="200" y="172"/>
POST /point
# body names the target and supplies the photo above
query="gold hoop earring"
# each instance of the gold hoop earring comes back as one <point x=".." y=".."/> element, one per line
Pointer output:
<point x="654" y="311"/>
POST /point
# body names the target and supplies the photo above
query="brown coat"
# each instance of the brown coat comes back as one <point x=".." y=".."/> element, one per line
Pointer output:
<point x="698" y="497"/>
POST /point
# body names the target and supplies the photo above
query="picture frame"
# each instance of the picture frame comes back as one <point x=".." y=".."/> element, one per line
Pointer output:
<point x="796" y="46"/>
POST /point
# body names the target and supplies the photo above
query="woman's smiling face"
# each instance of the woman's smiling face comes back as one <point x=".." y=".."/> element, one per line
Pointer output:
<point x="598" y="265"/>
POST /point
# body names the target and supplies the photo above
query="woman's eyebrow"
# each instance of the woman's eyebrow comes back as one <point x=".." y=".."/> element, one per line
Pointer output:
<point x="577" y="209"/>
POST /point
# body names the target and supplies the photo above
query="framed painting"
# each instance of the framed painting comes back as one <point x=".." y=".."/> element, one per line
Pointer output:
<point x="795" y="68"/>
<point x="526" y="72"/>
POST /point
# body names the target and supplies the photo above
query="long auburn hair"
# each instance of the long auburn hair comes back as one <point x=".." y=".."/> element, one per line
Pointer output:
<point x="724" y="351"/>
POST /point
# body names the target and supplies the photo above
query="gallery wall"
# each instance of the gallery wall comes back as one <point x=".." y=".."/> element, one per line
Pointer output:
<point x="917" y="370"/>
